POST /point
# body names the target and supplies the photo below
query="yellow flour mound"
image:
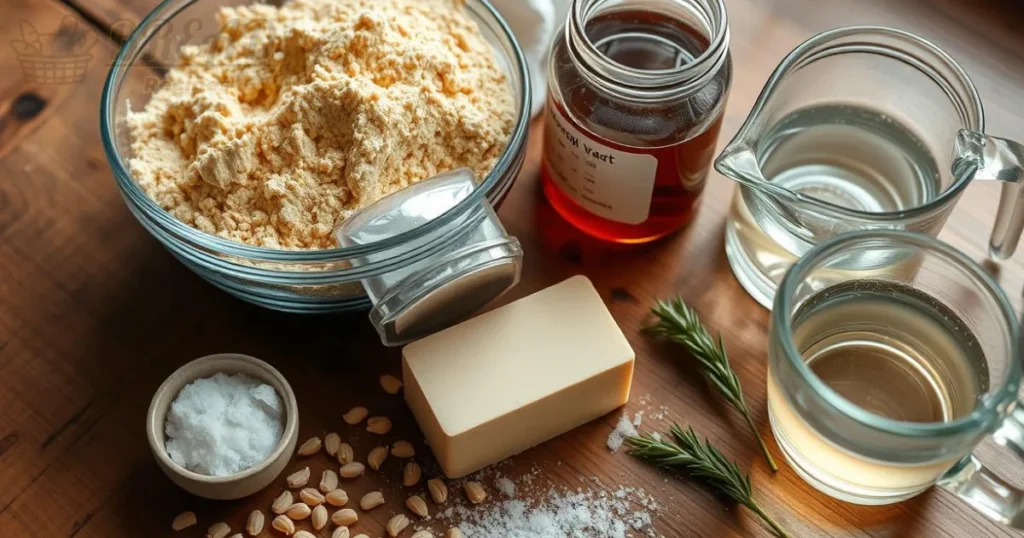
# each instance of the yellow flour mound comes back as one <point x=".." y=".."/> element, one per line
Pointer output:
<point x="292" y="118"/>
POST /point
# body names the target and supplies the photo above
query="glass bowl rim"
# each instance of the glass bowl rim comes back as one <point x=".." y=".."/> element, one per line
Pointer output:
<point x="134" y="194"/>
<point x="783" y="331"/>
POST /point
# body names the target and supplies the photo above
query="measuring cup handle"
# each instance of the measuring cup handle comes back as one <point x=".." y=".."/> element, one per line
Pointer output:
<point x="1009" y="222"/>
<point x="984" y="490"/>
<point x="991" y="157"/>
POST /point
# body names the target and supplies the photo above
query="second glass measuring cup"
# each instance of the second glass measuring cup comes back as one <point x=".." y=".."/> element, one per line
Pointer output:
<point x="859" y="128"/>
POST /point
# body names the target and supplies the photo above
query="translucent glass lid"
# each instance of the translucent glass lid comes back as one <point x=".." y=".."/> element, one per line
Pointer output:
<point x="448" y="273"/>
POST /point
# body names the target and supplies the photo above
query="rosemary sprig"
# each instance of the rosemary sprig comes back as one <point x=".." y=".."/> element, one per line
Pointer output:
<point x="680" y="323"/>
<point x="701" y="460"/>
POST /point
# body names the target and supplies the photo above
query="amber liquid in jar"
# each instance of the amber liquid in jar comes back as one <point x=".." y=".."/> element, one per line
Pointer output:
<point x="680" y="135"/>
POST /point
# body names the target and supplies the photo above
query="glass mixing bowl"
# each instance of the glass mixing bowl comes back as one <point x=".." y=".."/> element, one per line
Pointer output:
<point x="294" y="281"/>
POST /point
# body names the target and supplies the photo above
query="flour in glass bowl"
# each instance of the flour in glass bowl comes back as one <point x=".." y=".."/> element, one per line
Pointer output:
<point x="294" y="117"/>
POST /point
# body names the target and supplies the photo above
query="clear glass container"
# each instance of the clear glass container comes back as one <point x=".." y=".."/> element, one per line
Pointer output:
<point x="636" y="95"/>
<point x="475" y="261"/>
<point x="834" y="433"/>
<point x="294" y="281"/>
<point x="860" y="128"/>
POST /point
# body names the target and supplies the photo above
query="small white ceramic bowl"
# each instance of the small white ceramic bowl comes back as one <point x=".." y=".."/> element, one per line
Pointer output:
<point x="237" y="485"/>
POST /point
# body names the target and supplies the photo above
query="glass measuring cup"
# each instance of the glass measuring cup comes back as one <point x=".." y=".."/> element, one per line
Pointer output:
<point x="862" y="435"/>
<point x="859" y="128"/>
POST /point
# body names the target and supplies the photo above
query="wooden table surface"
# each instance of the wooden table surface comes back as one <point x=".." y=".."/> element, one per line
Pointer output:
<point x="94" y="313"/>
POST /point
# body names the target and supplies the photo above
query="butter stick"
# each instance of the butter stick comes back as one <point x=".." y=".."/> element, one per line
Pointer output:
<point x="510" y="379"/>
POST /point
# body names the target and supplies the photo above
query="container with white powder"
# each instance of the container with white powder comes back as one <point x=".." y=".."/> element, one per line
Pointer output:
<point x="223" y="426"/>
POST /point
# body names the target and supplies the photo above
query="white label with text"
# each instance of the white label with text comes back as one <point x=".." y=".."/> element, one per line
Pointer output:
<point x="610" y="183"/>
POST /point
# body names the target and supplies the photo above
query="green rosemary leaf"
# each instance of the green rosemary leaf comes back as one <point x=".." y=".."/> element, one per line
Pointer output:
<point x="701" y="460"/>
<point x="679" y="323"/>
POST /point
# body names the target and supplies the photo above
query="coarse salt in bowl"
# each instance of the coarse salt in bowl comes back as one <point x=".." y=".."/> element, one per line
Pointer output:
<point x="238" y="484"/>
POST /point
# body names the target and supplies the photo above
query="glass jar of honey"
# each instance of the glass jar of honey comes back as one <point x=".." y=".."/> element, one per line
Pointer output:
<point x="636" y="94"/>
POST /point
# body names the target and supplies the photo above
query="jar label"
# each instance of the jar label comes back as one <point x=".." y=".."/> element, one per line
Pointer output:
<point x="608" y="182"/>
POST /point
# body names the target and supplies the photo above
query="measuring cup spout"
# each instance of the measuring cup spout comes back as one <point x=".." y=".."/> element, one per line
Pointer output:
<point x="739" y="163"/>
<point x="987" y="157"/>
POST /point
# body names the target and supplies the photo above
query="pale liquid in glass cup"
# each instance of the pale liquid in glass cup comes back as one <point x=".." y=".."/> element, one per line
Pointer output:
<point x="852" y="156"/>
<point x="889" y="349"/>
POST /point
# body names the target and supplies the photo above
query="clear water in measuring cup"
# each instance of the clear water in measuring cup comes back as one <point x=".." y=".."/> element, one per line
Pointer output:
<point x="848" y="156"/>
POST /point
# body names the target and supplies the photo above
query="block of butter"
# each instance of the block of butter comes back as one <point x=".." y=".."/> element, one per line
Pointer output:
<point x="512" y="378"/>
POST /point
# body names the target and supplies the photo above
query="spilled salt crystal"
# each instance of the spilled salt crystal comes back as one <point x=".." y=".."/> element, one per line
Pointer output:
<point x="506" y="487"/>
<point x="623" y="429"/>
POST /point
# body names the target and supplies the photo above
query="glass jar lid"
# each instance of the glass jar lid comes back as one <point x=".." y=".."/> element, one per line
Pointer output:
<point x="475" y="263"/>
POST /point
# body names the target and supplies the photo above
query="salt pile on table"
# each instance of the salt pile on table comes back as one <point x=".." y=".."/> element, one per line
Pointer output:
<point x="580" y="514"/>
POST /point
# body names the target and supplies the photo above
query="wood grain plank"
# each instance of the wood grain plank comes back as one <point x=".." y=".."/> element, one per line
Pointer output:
<point x="94" y="314"/>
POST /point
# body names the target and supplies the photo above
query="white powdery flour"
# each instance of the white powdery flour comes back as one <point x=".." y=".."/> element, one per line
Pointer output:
<point x="581" y="514"/>
<point x="224" y="424"/>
